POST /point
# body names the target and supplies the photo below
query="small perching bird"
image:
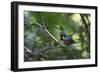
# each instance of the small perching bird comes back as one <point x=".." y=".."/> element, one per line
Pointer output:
<point x="67" y="40"/>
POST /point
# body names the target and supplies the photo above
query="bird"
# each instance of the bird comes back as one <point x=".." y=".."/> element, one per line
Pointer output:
<point x="67" y="39"/>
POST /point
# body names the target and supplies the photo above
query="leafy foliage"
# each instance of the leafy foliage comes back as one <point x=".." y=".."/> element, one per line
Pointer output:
<point x="42" y="38"/>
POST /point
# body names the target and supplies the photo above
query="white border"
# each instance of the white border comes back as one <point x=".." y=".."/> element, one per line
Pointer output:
<point x="22" y="64"/>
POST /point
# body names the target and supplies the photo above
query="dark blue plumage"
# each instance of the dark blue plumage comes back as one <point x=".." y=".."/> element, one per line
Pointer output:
<point x="66" y="38"/>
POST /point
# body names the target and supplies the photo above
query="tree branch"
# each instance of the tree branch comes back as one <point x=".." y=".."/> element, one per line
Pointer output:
<point x="28" y="50"/>
<point x="84" y="22"/>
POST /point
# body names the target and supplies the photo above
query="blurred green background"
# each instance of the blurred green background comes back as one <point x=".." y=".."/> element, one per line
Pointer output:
<point x="42" y="39"/>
